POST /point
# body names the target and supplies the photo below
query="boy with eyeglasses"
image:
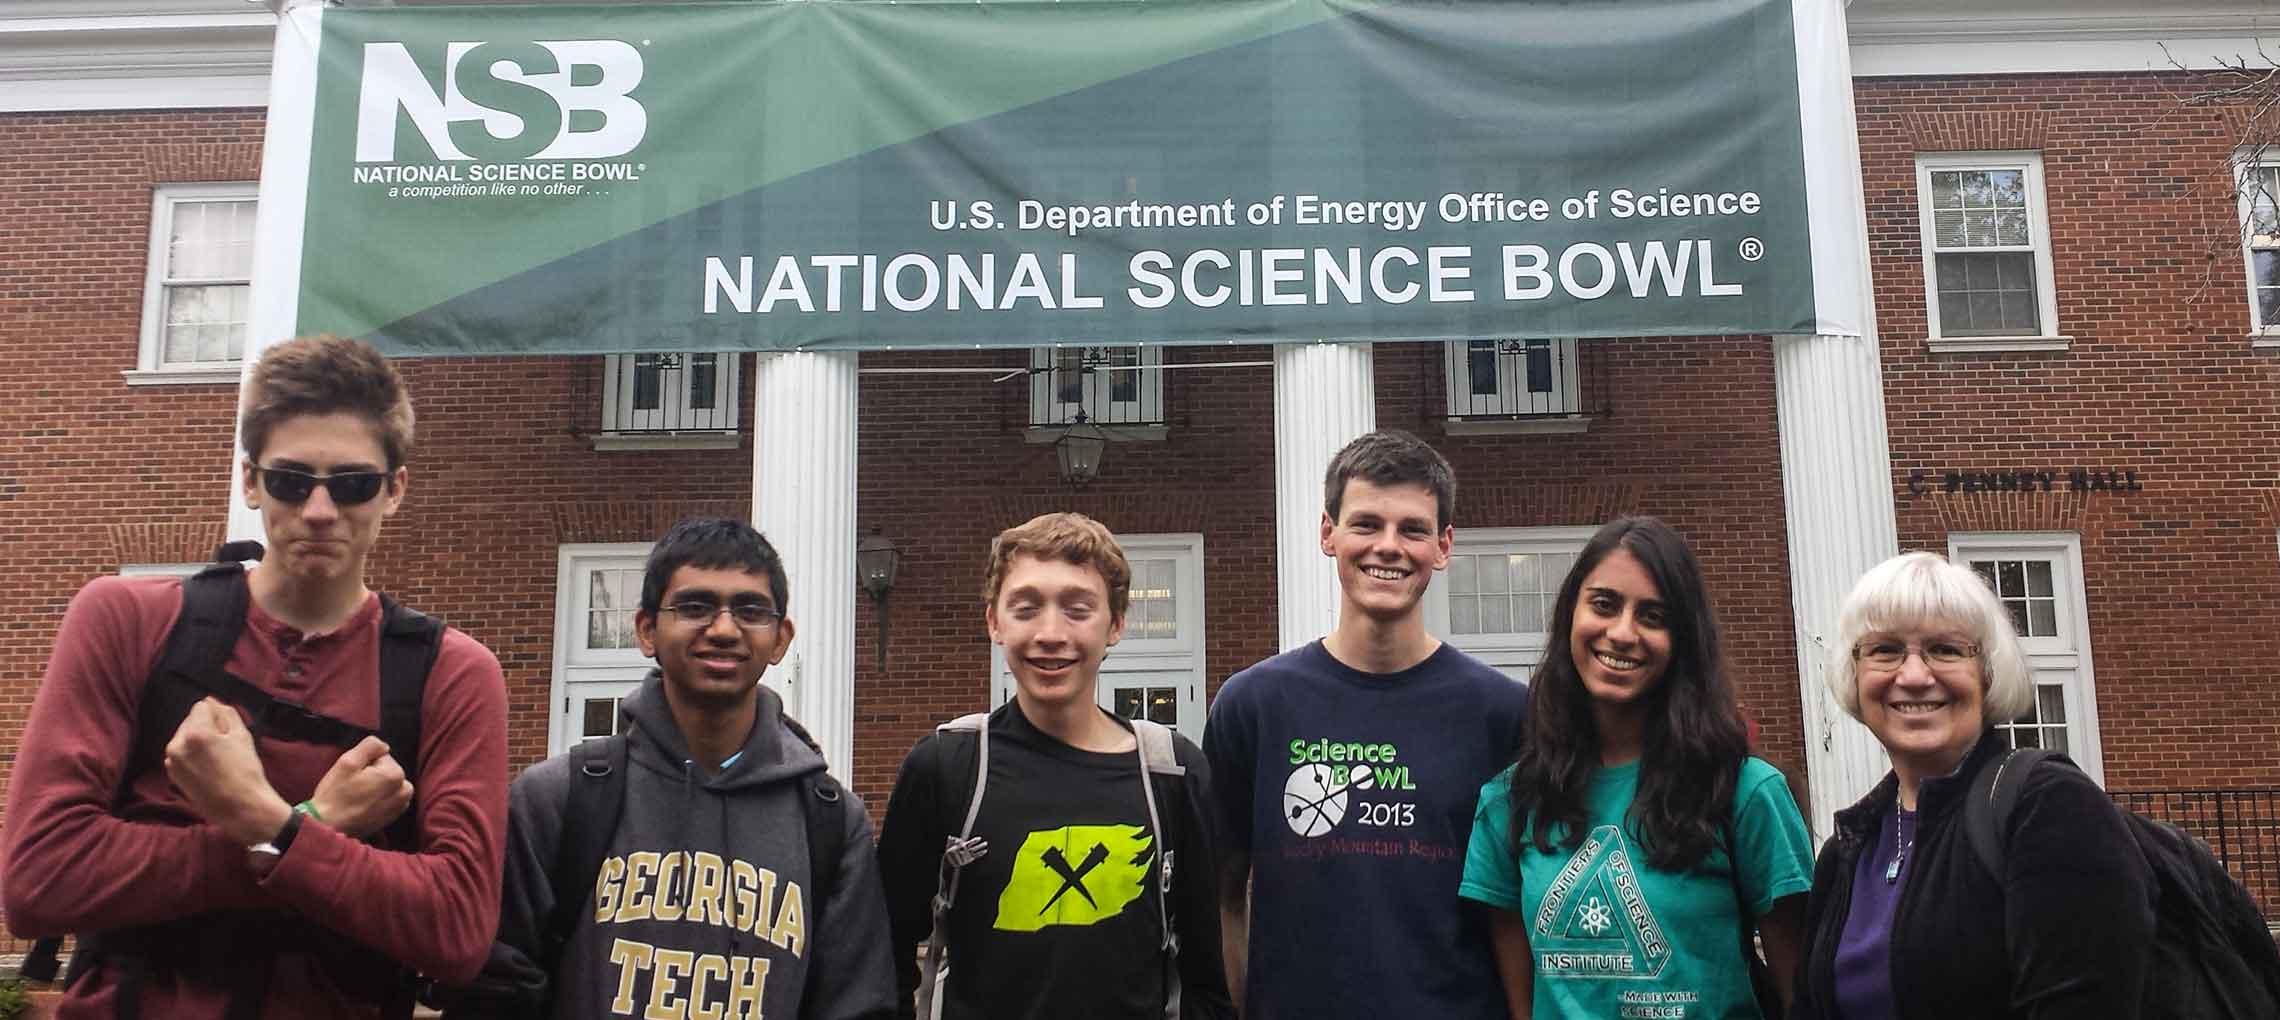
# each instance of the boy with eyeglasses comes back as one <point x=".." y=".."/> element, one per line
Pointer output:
<point x="700" y="863"/>
<point x="192" y="815"/>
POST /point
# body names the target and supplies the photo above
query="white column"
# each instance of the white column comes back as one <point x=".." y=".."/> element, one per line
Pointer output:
<point x="274" y="306"/>
<point x="1836" y="459"/>
<point x="1325" y="397"/>
<point x="1836" y="483"/>
<point x="803" y="498"/>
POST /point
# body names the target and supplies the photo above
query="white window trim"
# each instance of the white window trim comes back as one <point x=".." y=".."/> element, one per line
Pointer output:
<point x="2038" y="226"/>
<point x="2246" y="162"/>
<point x="1562" y="538"/>
<point x="150" y="369"/>
<point x="1186" y="550"/>
<point x="2064" y="548"/>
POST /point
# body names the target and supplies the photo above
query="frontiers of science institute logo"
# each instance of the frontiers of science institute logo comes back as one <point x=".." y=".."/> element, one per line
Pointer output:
<point x="499" y="118"/>
<point x="1595" y="921"/>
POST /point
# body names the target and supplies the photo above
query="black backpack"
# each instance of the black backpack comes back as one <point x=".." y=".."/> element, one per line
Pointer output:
<point x="2212" y="957"/>
<point x="194" y="665"/>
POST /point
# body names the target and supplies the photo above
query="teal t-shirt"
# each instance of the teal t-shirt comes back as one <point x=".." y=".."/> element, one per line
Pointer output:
<point x="1614" y="938"/>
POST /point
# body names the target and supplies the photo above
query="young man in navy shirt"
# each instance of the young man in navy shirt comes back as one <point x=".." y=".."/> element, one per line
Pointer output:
<point x="1347" y="772"/>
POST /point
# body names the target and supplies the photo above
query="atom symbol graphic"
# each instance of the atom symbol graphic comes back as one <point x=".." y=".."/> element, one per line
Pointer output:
<point x="1595" y="916"/>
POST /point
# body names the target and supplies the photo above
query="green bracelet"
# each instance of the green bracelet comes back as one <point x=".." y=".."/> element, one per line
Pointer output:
<point x="309" y="808"/>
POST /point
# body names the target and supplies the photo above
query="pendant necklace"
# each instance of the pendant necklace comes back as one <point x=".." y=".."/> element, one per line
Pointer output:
<point x="1904" y="837"/>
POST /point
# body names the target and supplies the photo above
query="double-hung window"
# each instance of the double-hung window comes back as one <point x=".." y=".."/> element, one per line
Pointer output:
<point x="1987" y="259"/>
<point x="2260" y="237"/>
<point x="1495" y="600"/>
<point x="198" y="284"/>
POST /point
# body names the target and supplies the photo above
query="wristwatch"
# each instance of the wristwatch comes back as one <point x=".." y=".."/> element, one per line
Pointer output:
<point x="263" y="856"/>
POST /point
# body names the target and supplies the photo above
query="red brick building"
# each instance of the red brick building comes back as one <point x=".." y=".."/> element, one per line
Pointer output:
<point x="2077" y="380"/>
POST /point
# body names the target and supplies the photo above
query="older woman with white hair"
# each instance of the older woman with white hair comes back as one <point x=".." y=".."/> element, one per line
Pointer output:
<point x="1904" y="922"/>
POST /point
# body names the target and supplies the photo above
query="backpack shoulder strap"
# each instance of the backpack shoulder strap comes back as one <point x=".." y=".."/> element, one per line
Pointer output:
<point x="409" y="643"/>
<point x="205" y="632"/>
<point x="826" y="839"/>
<point x="826" y="832"/>
<point x="1993" y="796"/>
<point x="214" y="602"/>
<point x="1157" y="754"/>
<point x="977" y="723"/>
<point x="590" y="811"/>
<point x="957" y="852"/>
<point x="1156" y="750"/>
<point x="820" y="798"/>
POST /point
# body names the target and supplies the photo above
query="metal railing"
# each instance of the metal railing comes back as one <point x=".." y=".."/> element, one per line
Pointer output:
<point x="1108" y="385"/>
<point x="1492" y="380"/>
<point x="2241" y="826"/>
<point x="668" y="393"/>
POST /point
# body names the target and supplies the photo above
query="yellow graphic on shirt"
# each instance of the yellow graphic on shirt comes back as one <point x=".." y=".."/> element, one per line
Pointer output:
<point x="1077" y="874"/>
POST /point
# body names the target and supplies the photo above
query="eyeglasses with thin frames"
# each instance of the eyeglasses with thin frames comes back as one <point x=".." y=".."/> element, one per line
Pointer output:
<point x="347" y="488"/>
<point x="748" y="615"/>
<point x="1888" y="655"/>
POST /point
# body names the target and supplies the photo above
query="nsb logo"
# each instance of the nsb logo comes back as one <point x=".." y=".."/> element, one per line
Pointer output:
<point x="504" y="100"/>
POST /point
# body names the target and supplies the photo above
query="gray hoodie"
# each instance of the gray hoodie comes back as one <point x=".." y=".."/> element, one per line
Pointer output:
<point x="704" y="906"/>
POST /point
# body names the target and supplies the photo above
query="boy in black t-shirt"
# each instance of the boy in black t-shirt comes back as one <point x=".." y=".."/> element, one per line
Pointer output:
<point x="1081" y="882"/>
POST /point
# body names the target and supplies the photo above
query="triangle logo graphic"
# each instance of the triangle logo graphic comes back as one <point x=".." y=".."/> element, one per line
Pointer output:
<point x="1594" y="921"/>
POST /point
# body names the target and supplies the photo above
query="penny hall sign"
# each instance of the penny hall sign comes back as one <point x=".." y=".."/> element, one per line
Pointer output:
<point x="1922" y="481"/>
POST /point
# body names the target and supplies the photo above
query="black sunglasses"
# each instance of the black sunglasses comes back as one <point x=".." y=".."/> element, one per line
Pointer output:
<point x="347" y="488"/>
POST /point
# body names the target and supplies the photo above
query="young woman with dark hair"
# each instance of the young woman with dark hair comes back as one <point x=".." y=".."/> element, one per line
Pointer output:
<point x="1634" y="845"/>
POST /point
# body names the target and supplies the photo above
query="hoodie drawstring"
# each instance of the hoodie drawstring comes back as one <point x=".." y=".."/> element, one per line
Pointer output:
<point x="728" y="852"/>
<point x="688" y="860"/>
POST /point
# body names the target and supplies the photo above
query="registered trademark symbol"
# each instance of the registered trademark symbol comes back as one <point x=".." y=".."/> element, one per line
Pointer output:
<point x="1752" y="249"/>
<point x="645" y="42"/>
<point x="643" y="167"/>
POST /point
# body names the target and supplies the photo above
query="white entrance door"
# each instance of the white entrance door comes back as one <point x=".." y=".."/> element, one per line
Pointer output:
<point x="2037" y="576"/>
<point x="597" y="661"/>
<point x="1156" y="671"/>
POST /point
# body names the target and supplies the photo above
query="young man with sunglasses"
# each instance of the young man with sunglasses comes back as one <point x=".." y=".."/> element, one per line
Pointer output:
<point x="236" y="876"/>
<point x="700" y="863"/>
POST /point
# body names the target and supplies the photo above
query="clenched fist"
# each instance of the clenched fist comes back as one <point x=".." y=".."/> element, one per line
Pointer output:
<point x="211" y="759"/>
<point x="363" y="791"/>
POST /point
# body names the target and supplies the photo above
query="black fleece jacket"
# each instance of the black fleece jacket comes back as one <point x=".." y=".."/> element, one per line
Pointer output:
<point x="2062" y="933"/>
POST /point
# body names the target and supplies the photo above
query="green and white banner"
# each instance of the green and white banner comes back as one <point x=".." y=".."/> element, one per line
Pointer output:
<point x="861" y="175"/>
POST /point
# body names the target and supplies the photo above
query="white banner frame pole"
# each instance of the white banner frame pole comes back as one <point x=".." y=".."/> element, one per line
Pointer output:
<point x="1836" y="452"/>
<point x="280" y="217"/>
